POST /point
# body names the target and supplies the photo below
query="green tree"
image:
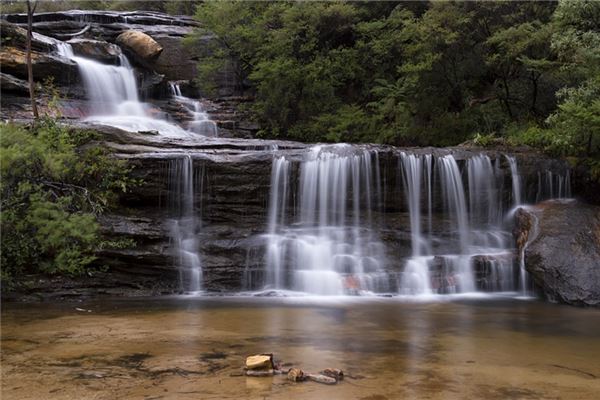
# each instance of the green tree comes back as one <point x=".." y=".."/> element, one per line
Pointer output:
<point x="52" y="190"/>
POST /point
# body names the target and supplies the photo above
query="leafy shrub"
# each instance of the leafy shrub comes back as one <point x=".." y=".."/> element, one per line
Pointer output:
<point x="52" y="190"/>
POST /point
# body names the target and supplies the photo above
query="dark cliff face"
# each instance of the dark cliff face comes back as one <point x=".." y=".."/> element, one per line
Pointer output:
<point x="563" y="254"/>
<point x="233" y="205"/>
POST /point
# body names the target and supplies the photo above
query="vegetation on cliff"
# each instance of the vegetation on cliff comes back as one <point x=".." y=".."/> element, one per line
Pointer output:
<point x="417" y="73"/>
<point x="55" y="182"/>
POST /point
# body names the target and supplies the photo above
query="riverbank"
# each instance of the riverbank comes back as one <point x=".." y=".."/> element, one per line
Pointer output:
<point x="187" y="347"/>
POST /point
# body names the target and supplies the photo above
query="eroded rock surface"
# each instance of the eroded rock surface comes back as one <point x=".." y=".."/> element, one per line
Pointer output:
<point x="563" y="255"/>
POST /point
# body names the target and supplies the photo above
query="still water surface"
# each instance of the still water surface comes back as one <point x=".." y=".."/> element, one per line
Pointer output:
<point x="189" y="348"/>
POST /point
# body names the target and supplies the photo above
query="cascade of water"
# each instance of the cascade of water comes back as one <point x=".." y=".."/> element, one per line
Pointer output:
<point x="186" y="222"/>
<point x="553" y="186"/>
<point x="516" y="180"/>
<point x="483" y="196"/>
<point x="330" y="248"/>
<point x="475" y="231"/>
<point x="113" y="94"/>
<point x="200" y="123"/>
<point x="416" y="277"/>
<point x="454" y="198"/>
<point x="453" y="192"/>
<point x="277" y="209"/>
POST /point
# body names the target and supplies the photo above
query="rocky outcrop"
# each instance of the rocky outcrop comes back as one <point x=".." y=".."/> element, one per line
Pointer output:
<point x="139" y="44"/>
<point x="96" y="49"/>
<point x="15" y="36"/>
<point x="14" y="62"/>
<point x="10" y="83"/>
<point x="174" y="62"/>
<point x="562" y="251"/>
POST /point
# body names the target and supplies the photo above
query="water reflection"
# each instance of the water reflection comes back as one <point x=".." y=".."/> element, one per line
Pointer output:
<point x="189" y="348"/>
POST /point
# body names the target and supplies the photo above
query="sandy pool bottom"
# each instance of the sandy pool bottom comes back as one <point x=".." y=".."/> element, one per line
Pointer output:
<point x="193" y="348"/>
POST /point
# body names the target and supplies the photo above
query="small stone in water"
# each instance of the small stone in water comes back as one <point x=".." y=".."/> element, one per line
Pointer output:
<point x="260" y="361"/>
<point x="295" y="375"/>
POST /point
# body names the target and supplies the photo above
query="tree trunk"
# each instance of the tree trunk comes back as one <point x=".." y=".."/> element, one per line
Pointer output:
<point x="30" y="12"/>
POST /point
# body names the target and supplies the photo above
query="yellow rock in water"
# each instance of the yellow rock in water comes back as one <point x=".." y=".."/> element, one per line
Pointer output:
<point x="261" y="361"/>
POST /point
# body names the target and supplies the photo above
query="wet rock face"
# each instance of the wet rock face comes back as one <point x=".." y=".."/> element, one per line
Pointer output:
<point x="564" y="257"/>
<point x="14" y="62"/>
<point x="173" y="62"/>
<point x="96" y="49"/>
<point x="15" y="36"/>
<point x="232" y="203"/>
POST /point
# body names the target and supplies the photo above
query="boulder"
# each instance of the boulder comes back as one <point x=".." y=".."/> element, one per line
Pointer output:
<point x="96" y="49"/>
<point x="141" y="45"/>
<point x="563" y="254"/>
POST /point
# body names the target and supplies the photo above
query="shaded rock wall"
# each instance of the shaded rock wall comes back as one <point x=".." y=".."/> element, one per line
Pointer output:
<point x="233" y="206"/>
<point x="563" y="256"/>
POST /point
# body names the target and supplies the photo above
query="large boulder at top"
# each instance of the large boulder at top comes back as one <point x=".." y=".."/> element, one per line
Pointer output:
<point x="142" y="46"/>
<point x="95" y="49"/>
<point x="563" y="250"/>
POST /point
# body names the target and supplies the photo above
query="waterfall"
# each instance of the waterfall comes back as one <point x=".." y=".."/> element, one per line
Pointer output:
<point x="113" y="95"/>
<point x="416" y="278"/>
<point x="516" y="180"/>
<point x="200" y="123"/>
<point x="186" y="221"/>
<point x="330" y="247"/>
<point x="553" y="186"/>
<point x="323" y="232"/>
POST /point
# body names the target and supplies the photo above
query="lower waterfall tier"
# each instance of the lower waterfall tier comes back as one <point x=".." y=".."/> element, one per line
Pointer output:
<point x="328" y="220"/>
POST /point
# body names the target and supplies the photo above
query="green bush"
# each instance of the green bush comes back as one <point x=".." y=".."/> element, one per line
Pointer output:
<point x="55" y="182"/>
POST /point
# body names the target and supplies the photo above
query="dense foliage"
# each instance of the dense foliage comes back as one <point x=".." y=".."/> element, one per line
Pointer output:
<point x="416" y="73"/>
<point x="54" y="184"/>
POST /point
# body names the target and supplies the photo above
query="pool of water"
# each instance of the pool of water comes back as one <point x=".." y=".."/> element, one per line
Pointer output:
<point x="194" y="348"/>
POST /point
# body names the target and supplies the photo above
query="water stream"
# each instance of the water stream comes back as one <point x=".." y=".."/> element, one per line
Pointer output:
<point x="322" y="238"/>
<point x="200" y="123"/>
<point x="113" y="96"/>
<point x="184" y="181"/>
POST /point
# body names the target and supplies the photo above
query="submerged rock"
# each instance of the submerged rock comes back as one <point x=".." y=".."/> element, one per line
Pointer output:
<point x="564" y="257"/>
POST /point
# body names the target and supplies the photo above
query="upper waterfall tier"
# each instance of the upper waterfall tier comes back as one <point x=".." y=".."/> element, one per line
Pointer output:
<point x="112" y="93"/>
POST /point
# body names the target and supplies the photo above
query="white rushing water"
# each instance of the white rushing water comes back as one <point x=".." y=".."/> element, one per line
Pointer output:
<point x="184" y="182"/>
<point x="201" y="123"/>
<point x="329" y="248"/>
<point x="322" y="238"/>
<point x="113" y="96"/>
